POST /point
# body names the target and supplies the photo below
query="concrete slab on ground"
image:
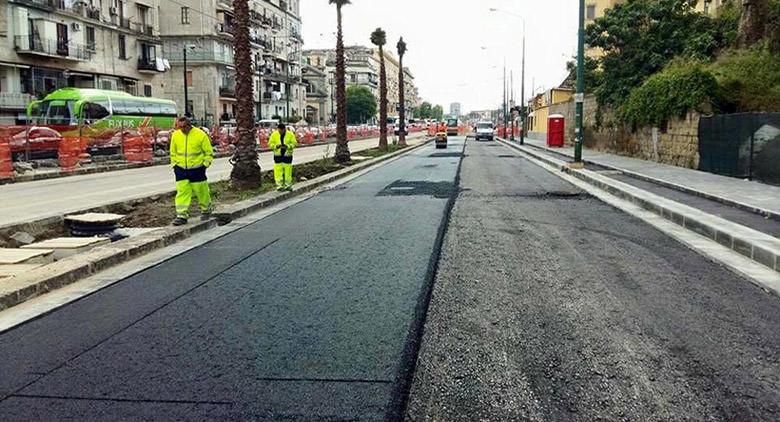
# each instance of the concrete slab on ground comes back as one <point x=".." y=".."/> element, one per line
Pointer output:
<point x="64" y="247"/>
<point x="9" y="256"/>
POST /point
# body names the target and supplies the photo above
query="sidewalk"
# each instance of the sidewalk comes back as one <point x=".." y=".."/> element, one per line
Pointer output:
<point x="751" y="196"/>
<point x="32" y="201"/>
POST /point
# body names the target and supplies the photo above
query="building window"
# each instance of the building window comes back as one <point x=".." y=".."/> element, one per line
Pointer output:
<point x="189" y="78"/>
<point x="122" y="47"/>
<point x="185" y="15"/>
<point x="90" y="35"/>
<point x="147" y="90"/>
<point x="590" y="12"/>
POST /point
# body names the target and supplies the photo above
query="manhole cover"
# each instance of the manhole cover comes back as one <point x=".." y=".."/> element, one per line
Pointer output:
<point x="446" y="155"/>
<point x="416" y="188"/>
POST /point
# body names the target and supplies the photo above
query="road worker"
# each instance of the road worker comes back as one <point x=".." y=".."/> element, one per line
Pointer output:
<point x="282" y="142"/>
<point x="191" y="155"/>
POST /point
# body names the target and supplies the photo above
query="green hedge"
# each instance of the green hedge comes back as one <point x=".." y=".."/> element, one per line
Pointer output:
<point x="681" y="86"/>
<point x="750" y="79"/>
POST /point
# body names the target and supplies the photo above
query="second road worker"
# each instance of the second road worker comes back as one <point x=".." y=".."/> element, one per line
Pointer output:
<point x="283" y="143"/>
<point x="191" y="155"/>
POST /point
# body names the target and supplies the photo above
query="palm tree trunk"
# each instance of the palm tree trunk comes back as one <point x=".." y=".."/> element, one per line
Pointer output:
<point x="402" y="100"/>
<point x="383" y="101"/>
<point x="342" y="149"/>
<point x="246" y="169"/>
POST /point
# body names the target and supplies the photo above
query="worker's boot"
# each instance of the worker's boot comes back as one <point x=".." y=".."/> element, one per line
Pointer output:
<point x="206" y="216"/>
<point x="179" y="221"/>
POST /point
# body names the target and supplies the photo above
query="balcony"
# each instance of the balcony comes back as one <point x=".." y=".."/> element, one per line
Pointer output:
<point x="143" y="29"/>
<point x="227" y="91"/>
<point x="15" y="101"/>
<point x="27" y="44"/>
<point x="226" y="28"/>
<point x="148" y="65"/>
<point x="283" y="5"/>
<point x="209" y="56"/>
<point x="265" y="20"/>
<point x="225" y="5"/>
<point x="45" y="4"/>
<point x="268" y="95"/>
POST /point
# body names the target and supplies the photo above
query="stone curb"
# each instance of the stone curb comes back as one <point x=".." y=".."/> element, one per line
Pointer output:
<point x="16" y="290"/>
<point x="746" y="207"/>
<point x="759" y="247"/>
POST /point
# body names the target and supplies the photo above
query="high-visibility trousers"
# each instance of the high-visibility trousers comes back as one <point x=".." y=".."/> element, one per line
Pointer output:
<point x="187" y="182"/>
<point x="283" y="171"/>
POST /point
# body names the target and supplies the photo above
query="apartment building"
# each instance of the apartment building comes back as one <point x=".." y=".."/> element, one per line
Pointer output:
<point x="203" y="30"/>
<point x="362" y="68"/>
<point x="50" y="44"/>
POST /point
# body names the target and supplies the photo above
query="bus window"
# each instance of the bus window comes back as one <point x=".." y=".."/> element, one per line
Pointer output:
<point x="93" y="112"/>
<point x="60" y="112"/>
<point x="168" y="109"/>
<point x="152" y="109"/>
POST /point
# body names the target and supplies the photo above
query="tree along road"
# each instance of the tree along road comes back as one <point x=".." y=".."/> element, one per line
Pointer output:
<point x="311" y="313"/>
<point x="32" y="201"/>
<point x="550" y="305"/>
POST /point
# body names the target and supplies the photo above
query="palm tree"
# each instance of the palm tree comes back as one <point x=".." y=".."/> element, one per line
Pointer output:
<point x="246" y="170"/>
<point x="401" y="46"/>
<point x="342" y="149"/>
<point x="379" y="39"/>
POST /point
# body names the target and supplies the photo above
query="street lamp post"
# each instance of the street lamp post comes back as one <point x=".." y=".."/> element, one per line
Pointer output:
<point x="186" y="91"/>
<point x="522" y="82"/>
<point x="579" y="97"/>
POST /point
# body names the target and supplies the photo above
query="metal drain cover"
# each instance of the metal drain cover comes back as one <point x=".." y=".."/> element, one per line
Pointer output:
<point x="418" y="188"/>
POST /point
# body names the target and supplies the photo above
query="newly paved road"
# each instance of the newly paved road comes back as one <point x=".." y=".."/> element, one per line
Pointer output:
<point x="550" y="305"/>
<point x="32" y="201"/>
<point x="311" y="313"/>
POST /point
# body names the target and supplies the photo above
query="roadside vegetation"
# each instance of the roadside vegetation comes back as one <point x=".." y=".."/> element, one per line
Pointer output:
<point x="662" y="58"/>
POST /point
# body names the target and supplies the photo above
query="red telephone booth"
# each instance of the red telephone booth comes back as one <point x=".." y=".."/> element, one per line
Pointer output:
<point x="555" y="130"/>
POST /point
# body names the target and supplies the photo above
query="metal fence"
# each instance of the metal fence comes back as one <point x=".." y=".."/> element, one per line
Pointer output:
<point x="745" y="145"/>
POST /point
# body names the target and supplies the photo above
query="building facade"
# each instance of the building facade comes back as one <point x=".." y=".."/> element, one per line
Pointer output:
<point x="50" y="44"/>
<point x="455" y="110"/>
<point x="362" y="68"/>
<point x="540" y="106"/>
<point x="206" y="41"/>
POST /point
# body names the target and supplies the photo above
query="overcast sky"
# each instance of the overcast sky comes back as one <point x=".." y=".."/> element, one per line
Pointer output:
<point x="446" y="38"/>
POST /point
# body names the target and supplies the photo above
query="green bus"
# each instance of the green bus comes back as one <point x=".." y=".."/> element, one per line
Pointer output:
<point x="104" y="117"/>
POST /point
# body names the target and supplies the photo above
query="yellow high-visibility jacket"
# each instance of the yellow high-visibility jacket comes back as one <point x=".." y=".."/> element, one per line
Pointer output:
<point x="191" y="150"/>
<point x="275" y="143"/>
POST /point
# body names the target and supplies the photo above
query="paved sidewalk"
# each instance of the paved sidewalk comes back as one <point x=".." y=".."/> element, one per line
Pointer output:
<point x="746" y="194"/>
<point x="32" y="201"/>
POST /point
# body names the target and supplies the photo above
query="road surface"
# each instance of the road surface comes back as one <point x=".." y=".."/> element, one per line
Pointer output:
<point x="311" y="313"/>
<point x="32" y="201"/>
<point x="549" y="305"/>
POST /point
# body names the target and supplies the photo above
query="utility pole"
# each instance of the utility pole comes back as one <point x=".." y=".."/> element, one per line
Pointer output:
<point x="580" y="96"/>
<point x="186" y="91"/>
<point x="503" y="106"/>
<point x="522" y="95"/>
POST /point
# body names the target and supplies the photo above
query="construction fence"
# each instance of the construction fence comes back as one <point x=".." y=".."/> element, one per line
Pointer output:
<point x="29" y="148"/>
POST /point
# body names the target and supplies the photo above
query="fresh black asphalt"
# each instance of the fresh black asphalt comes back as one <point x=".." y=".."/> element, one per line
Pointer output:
<point x="549" y="305"/>
<point x="311" y="313"/>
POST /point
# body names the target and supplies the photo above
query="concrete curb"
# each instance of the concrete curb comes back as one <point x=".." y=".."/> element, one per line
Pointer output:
<point x="16" y="290"/>
<point x="759" y="247"/>
<point x="746" y="207"/>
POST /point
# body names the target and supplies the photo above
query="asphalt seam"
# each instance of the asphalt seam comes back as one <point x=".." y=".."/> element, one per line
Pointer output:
<point x="403" y="384"/>
<point x="143" y="317"/>
<point x="121" y="400"/>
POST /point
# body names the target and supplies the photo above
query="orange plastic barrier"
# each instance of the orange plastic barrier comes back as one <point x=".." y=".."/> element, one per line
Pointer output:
<point x="308" y="138"/>
<point x="70" y="152"/>
<point x="263" y="138"/>
<point x="137" y="148"/>
<point x="6" y="165"/>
